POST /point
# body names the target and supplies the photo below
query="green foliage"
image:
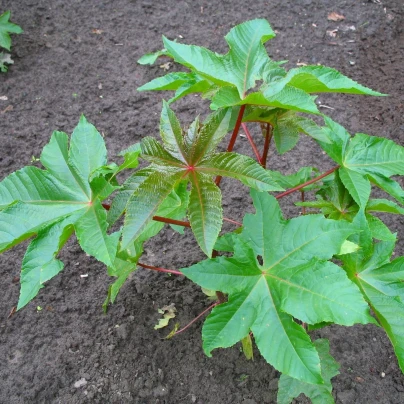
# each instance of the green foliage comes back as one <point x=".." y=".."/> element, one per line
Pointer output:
<point x="279" y="279"/>
<point x="6" y="28"/>
<point x="54" y="202"/>
<point x="290" y="388"/>
<point x="190" y="157"/>
<point x="266" y="298"/>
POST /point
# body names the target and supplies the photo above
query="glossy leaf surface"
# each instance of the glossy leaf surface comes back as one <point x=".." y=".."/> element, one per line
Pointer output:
<point x="265" y="298"/>
<point x="52" y="203"/>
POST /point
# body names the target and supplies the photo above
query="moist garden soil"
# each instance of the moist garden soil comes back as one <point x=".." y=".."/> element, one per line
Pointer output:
<point x="79" y="57"/>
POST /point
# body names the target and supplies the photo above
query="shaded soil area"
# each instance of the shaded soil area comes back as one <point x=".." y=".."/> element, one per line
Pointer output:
<point x="80" y="57"/>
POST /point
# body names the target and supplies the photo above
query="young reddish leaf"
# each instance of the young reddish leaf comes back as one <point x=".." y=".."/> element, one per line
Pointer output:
<point x="205" y="210"/>
<point x="171" y="133"/>
<point x="144" y="203"/>
<point x="154" y="152"/>
<point x="243" y="168"/>
<point x="205" y="141"/>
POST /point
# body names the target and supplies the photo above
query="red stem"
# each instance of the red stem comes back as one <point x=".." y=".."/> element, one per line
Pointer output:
<point x="232" y="221"/>
<point x="303" y="207"/>
<point x="250" y="139"/>
<point x="169" y="271"/>
<point x="187" y="224"/>
<point x="197" y="318"/>
<point x="171" y="221"/>
<point x="299" y="187"/>
<point x="233" y="137"/>
<point x="268" y="138"/>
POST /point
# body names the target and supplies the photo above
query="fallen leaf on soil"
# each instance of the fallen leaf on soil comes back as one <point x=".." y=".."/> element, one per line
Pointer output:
<point x="335" y="17"/>
<point x="168" y="313"/>
<point x="12" y="311"/>
<point x="165" y="66"/>
<point x="173" y="332"/>
<point x="7" y="109"/>
<point x="332" y="33"/>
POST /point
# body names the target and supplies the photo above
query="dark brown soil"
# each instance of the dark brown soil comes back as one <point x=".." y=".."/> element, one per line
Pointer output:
<point x="64" y="68"/>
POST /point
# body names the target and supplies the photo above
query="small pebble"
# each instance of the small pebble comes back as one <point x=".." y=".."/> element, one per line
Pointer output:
<point x="80" y="383"/>
<point x="382" y="374"/>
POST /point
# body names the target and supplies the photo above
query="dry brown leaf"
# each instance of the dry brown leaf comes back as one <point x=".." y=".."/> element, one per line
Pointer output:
<point x="332" y="33"/>
<point x="335" y="17"/>
<point x="165" y="66"/>
<point x="7" y="109"/>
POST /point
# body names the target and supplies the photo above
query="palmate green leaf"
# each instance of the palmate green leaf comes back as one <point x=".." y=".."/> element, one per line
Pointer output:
<point x="171" y="81"/>
<point x="263" y="298"/>
<point x="182" y="83"/>
<point x="322" y="79"/>
<point x="6" y="28"/>
<point x="292" y="180"/>
<point x="339" y="138"/>
<point x="241" y="67"/>
<point x="51" y="203"/>
<point x="187" y="156"/>
<point x="286" y="126"/>
<point x="150" y="58"/>
<point x="381" y="283"/>
<point x="289" y="97"/>
<point x="39" y="263"/>
<point x="374" y="155"/>
<point x="357" y="185"/>
<point x="384" y="205"/>
<point x="388" y="185"/>
<point x="290" y="388"/>
<point x="363" y="159"/>
<point x="173" y="207"/>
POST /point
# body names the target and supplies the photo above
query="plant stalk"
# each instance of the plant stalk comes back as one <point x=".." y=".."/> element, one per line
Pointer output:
<point x="299" y="187"/>
<point x="196" y="318"/>
<point x="253" y="146"/>
<point x="268" y="138"/>
<point x="169" y="271"/>
<point x="187" y="224"/>
<point x="303" y="207"/>
<point x="233" y="136"/>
